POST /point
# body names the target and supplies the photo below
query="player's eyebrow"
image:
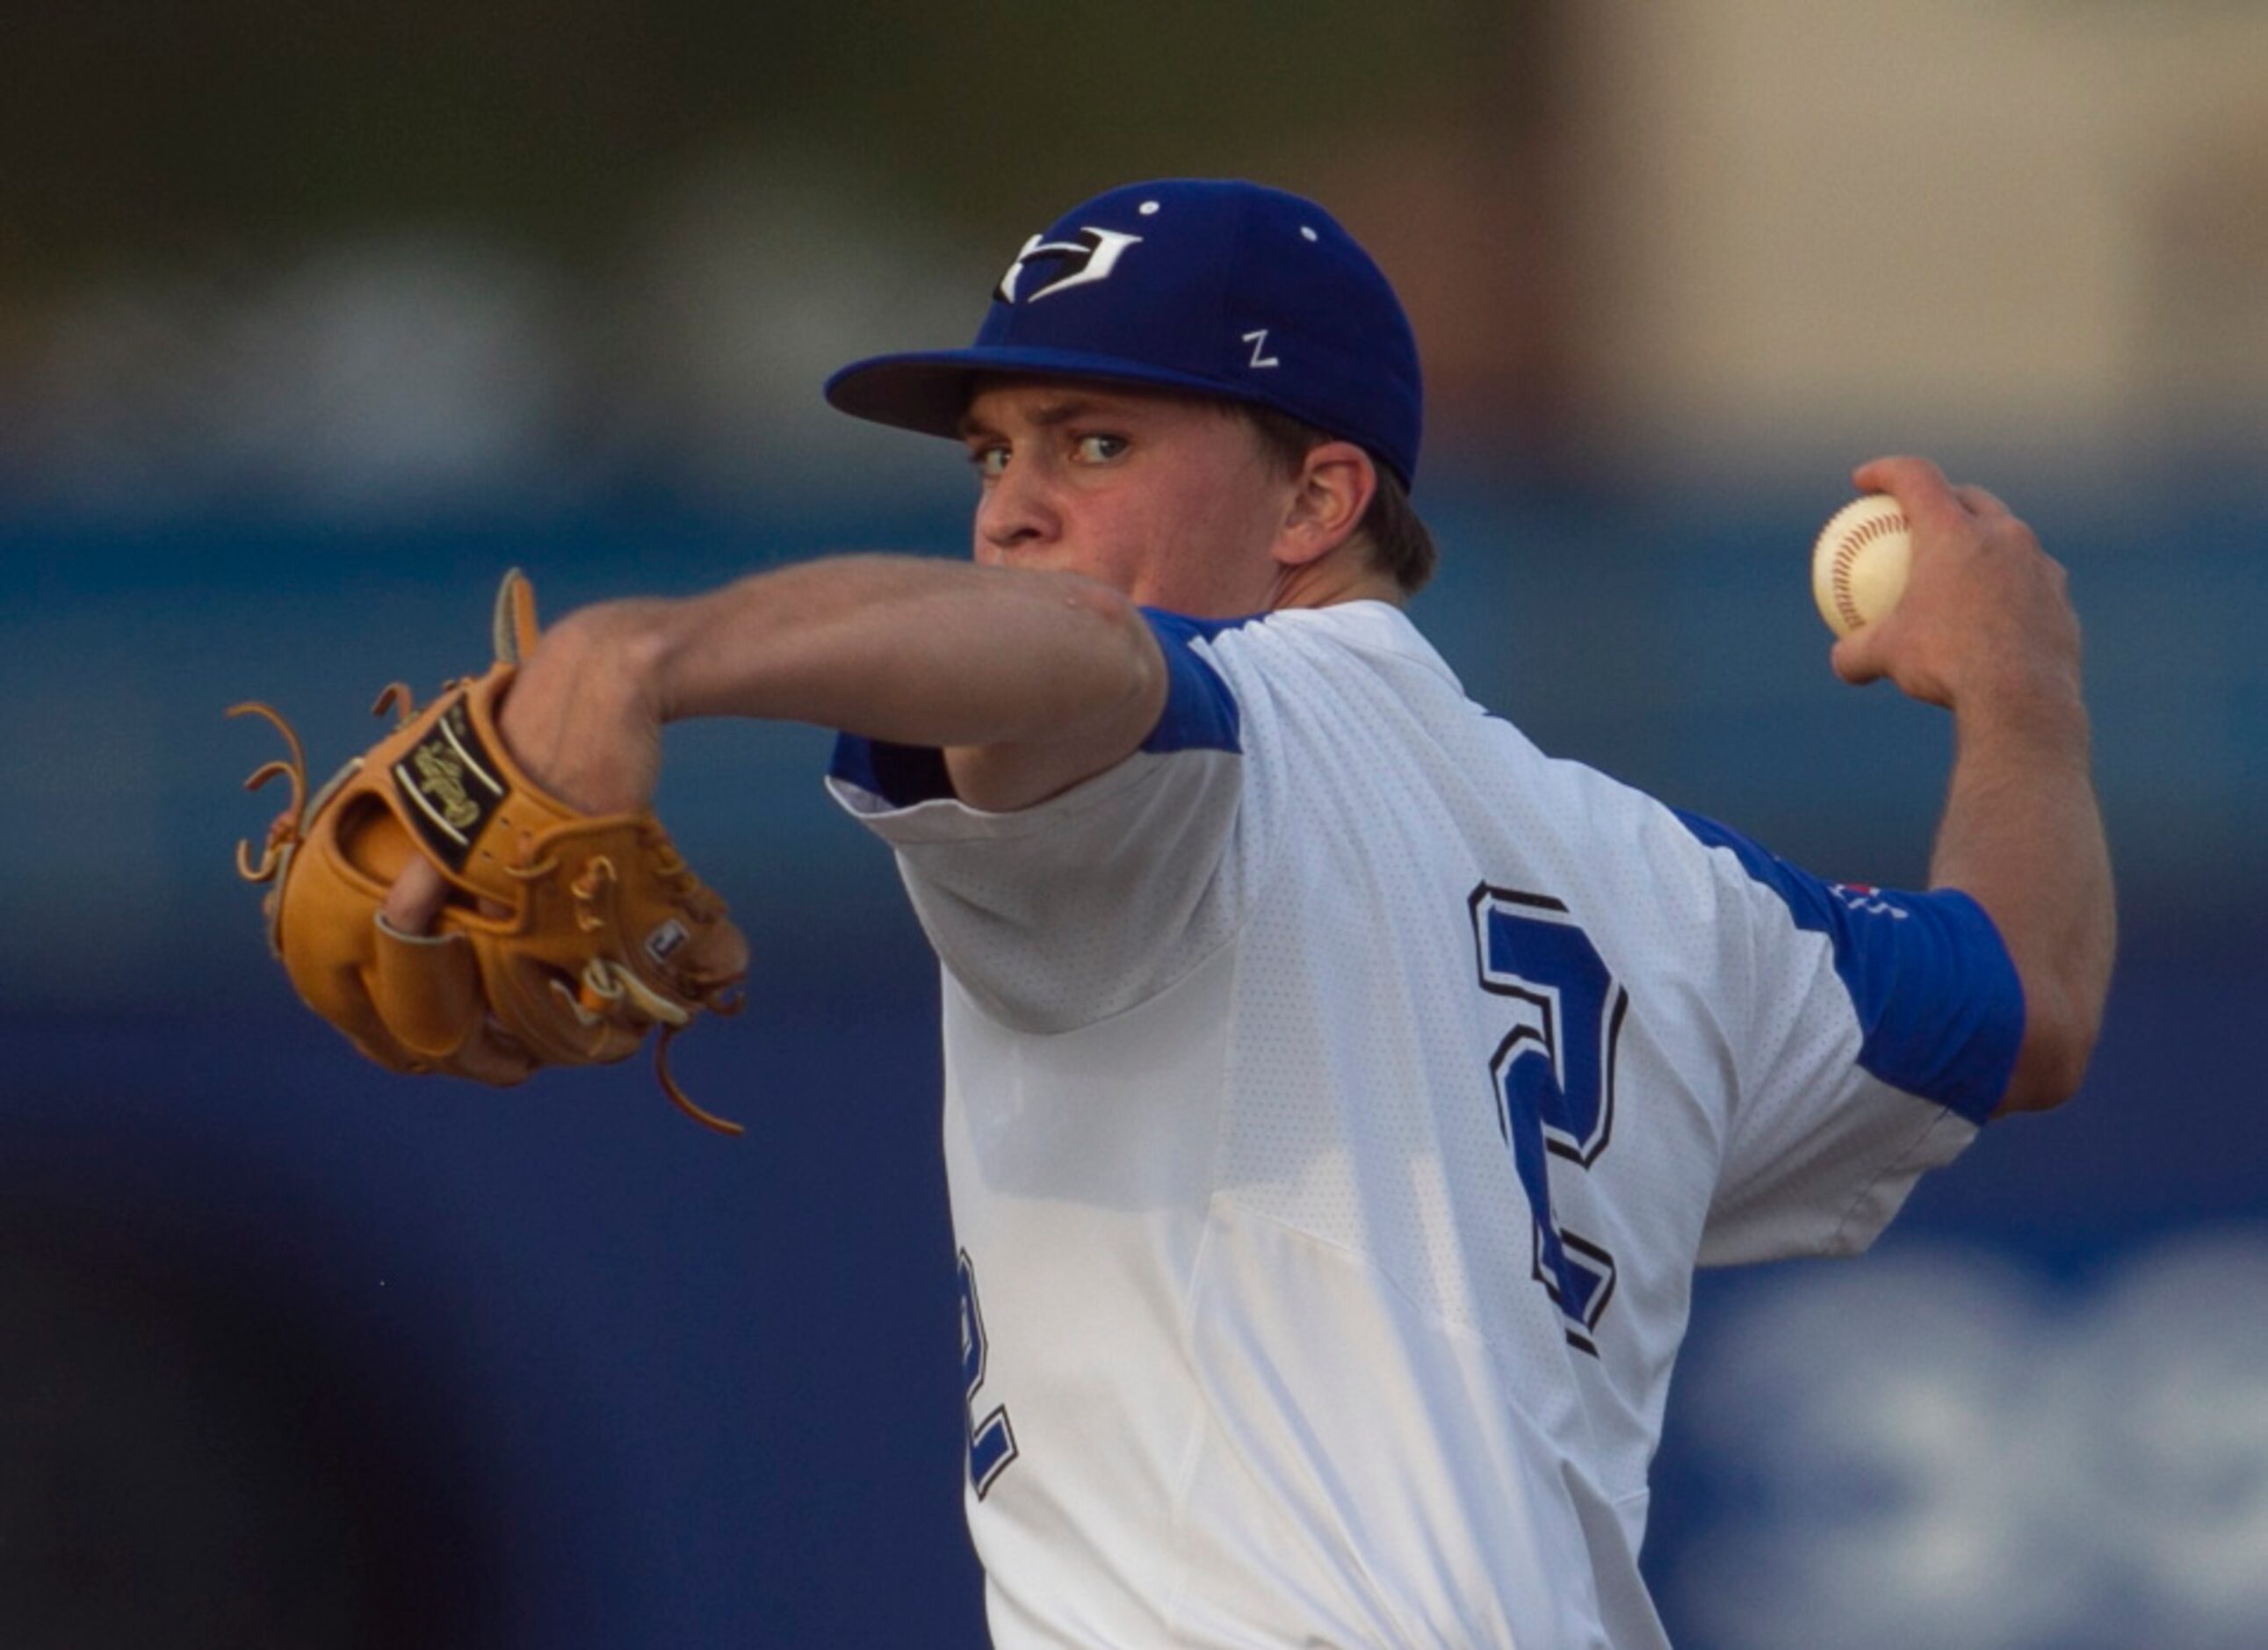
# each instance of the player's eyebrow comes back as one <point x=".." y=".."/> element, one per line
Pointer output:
<point x="1047" y="416"/>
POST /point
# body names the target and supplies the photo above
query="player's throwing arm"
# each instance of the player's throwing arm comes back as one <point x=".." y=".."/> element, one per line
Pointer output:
<point x="1985" y="627"/>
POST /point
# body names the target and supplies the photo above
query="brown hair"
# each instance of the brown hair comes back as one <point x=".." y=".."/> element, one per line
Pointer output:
<point x="1400" y="544"/>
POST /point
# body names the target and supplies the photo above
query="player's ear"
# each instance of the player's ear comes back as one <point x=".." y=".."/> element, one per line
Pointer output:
<point x="1330" y="498"/>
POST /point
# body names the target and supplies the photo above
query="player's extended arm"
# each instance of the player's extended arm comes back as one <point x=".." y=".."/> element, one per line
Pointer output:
<point x="1030" y="681"/>
<point x="1986" y="628"/>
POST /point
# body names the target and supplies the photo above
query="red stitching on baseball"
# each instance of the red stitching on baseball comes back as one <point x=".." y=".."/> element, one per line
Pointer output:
<point x="1847" y="553"/>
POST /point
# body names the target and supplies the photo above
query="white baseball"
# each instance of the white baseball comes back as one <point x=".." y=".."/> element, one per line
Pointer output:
<point x="1859" y="566"/>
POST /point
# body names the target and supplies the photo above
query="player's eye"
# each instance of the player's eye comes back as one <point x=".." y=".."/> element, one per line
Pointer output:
<point x="1099" y="449"/>
<point x="989" y="461"/>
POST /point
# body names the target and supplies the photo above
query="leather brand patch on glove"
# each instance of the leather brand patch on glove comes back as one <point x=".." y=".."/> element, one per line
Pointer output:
<point x="448" y="781"/>
<point x="566" y="938"/>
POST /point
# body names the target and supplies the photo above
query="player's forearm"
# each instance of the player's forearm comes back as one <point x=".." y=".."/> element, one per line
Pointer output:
<point x="1033" y="681"/>
<point x="893" y="647"/>
<point x="2022" y="834"/>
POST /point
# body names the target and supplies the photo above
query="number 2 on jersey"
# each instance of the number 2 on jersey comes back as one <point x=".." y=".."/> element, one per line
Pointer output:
<point x="1554" y="1077"/>
<point x="991" y="1441"/>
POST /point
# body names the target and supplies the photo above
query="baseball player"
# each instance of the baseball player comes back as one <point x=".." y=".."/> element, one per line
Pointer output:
<point x="1340" y="1092"/>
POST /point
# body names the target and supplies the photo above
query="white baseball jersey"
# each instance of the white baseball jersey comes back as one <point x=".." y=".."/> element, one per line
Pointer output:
<point x="1339" y="1096"/>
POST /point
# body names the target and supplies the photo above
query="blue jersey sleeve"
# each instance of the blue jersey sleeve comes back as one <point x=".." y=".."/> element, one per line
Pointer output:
<point x="1939" y="1004"/>
<point x="1200" y="714"/>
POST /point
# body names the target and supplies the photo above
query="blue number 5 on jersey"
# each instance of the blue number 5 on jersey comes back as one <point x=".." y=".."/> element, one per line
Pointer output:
<point x="1554" y="1076"/>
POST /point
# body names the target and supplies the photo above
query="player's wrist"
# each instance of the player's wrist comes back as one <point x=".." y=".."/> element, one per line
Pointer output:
<point x="621" y="652"/>
<point x="2039" y="711"/>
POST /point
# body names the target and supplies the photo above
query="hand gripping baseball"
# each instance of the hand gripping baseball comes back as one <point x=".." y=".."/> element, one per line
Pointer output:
<point x="1985" y="614"/>
<point x="562" y="938"/>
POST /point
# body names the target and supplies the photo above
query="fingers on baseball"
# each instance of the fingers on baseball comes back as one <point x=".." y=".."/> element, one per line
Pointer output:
<point x="1918" y="486"/>
<point x="1982" y="502"/>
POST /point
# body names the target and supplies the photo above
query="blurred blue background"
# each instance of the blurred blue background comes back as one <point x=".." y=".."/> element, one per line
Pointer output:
<point x="308" y="328"/>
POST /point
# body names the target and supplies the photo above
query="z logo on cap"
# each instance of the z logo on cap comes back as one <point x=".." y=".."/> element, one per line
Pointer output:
<point x="1090" y="258"/>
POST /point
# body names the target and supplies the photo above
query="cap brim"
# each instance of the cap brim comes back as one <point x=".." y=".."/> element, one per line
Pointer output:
<point x="929" y="391"/>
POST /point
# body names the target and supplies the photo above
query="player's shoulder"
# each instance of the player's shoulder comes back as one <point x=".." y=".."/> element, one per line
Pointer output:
<point x="1627" y="857"/>
<point x="1337" y="639"/>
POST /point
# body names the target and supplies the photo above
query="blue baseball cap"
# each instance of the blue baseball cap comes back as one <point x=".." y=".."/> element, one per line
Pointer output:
<point x="1217" y="287"/>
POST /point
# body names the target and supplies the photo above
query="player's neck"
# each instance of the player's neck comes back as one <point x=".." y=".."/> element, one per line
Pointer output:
<point x="1346" y="575"/>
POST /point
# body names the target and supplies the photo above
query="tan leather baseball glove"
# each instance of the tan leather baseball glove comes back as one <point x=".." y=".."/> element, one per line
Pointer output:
<point x="566" y="938"/>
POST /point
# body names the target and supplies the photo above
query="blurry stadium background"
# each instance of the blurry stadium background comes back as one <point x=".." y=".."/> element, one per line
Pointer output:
<point x="311" y="320"/>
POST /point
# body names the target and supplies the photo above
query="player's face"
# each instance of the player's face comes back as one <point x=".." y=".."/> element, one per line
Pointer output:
<point x="1173" y="502"/>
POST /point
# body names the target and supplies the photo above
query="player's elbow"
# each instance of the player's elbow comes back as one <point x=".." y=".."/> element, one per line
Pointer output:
<point x="2059" y="1037"/>
<point x="1097" y="695"/>
<point x="1124" y="676"/>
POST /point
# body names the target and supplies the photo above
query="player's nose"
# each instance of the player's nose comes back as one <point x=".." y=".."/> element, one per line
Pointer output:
<point x="1018" y="508"/>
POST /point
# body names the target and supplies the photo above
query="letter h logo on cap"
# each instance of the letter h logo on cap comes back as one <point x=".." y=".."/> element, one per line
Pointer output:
<point x="1090" y="257"/>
